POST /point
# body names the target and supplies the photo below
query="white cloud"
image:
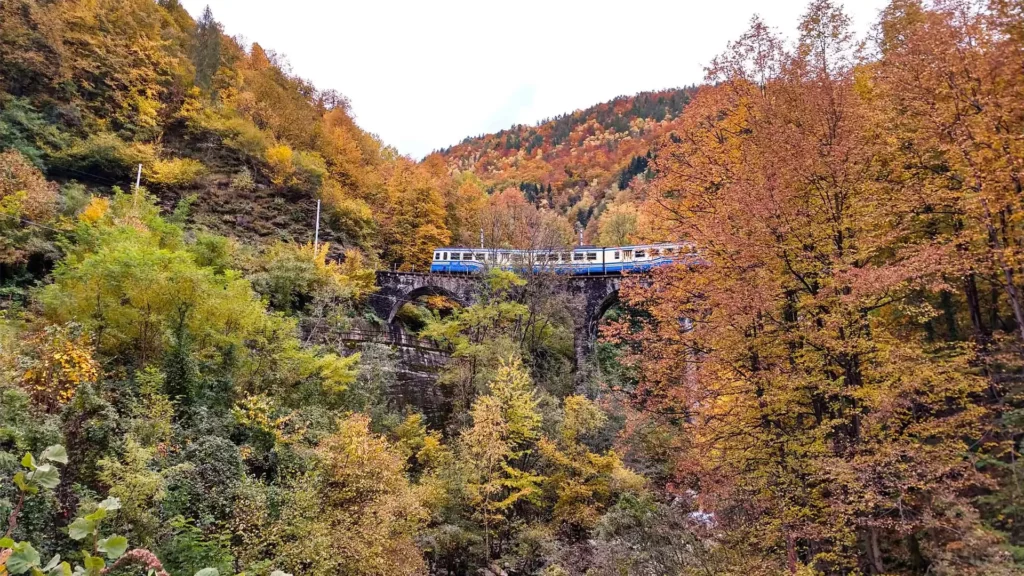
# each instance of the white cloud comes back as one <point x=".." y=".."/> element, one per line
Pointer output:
<point x="424" y="75"/>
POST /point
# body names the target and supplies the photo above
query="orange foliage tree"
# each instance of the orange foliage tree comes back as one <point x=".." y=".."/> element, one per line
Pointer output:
<point x="823" y="427"/>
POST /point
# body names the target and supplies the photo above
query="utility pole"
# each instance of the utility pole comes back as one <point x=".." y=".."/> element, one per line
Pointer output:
<point x="138" y="182"/>
<point x="481" y="238"/>
<point x="316" y="234"/>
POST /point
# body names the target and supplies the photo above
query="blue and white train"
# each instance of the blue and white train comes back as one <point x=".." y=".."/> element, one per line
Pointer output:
<point x="579" y="260"/>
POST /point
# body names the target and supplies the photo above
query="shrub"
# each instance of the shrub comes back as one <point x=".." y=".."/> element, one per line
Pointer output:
<point x="350" y="215"/>
<point x="63" y="361"/>
<point x="24" y="129"/>
<point x="176" y="172"/>
<point x="292" y="276"/>
<point x="245" y="137"/>
<point x="107" y="155"/>
<point x="23" y="189"/>
<point x="236" y="132"/>
<point x="310" y="171"/>
<point x="205" y="490"/>
<point x="243" y="181"/>
<point x="24" y="194"/>
<point x="281" y="167"/>
<point x="74" y="197"/>
<point x="296" y="170"/>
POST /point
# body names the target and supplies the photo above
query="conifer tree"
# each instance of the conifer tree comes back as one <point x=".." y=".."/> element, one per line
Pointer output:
<point x="206" y="52"/>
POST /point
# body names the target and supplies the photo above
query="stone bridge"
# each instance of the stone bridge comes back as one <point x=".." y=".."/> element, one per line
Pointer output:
<point x="594" y="295"/>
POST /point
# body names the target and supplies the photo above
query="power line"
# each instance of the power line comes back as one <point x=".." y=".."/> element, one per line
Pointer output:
<point x="90" y="174"/>
<point x="31" y="223"/>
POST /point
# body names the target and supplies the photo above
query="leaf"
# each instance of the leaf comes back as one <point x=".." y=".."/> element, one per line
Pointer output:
<point x="93" y="563"/>
<point x="6" y="543"/>
<point x="23" y="558"/>
<point x="81" y="528"/>
<point x="110" y="504"/>
<point x="63" y="570"/>
<point x="19" y="481"/>
<point x="52" y="563"/>
<point x="208" y="572"/>
<point x="28" y="461"/>
<point x="45" y="476"/>
<point x="97" y="515"/>
<point x="113" y="546"/>
<point x="55" y="453"/>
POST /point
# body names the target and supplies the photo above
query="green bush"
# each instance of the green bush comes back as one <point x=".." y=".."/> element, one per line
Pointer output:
<point x="205" y="490"/>
<point x="245" y="137"/>
<point x="24" y="129"/>
<point x="104" y="154"/>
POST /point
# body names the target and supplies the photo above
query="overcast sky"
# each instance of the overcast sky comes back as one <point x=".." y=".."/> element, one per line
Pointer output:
<point x="424" y="74"/>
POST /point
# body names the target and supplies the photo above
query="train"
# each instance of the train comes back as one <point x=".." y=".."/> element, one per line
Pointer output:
<point x="578" y="260"/>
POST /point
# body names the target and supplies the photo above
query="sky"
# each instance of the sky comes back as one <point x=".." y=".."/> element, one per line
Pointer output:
<point x="423" y="74"/>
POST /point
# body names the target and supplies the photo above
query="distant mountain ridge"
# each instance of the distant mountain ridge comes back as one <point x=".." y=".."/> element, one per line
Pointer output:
<point x="560" y="162"/>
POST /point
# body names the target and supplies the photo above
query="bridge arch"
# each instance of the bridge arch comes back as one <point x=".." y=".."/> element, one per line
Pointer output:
<point x="397" y="288"/>
<point x="426" y="290"/>
<point x="594" y="294"/>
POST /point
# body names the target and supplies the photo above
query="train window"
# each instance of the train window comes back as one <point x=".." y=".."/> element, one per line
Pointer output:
<point x="490" y="255"/>
<point x="617" y="254"/>
<point x="654" y="252"/>
<point x="591" y="255"/>
<point x="517" y="258"/>
<point x="480" y="256"/>
<point x="627" y="254"/>
<point x="669" y="251"/>
<point x="577" y="255"/>
<point x="467" y="255"/>
<point x="445" y="256"/>
<point x="455" y="255"/>
<point x="641" y="254"/>
<point x="437" y="255"/>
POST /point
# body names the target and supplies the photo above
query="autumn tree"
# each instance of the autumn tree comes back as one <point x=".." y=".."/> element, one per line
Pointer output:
<point x="506" y="424"/>
<point x="27" y="203"/>
<point x="814" y="408"/>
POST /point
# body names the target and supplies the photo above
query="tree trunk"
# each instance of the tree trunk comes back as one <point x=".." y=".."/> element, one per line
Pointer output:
<point x="875" y="552"/>
<point x="974" y="306"/>
<point x="1009" y="284"/>
<point x="791" y="553"/>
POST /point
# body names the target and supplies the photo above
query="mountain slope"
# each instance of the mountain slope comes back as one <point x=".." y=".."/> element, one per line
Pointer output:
<point x="574" y="163"/>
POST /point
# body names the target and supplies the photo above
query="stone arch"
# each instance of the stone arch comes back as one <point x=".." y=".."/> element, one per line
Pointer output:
<point x="425" y="290"/>
<point x="610" y="300"/>
<point x="598" y="310"/>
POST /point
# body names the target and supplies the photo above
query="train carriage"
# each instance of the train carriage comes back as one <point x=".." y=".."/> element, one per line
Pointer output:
<point x="579" y="260"/>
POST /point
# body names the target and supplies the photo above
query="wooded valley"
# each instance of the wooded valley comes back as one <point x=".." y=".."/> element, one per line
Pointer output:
<point x="836" y="387"/>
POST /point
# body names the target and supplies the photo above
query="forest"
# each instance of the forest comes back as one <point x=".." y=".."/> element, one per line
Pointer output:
<point x="834" y="387"/>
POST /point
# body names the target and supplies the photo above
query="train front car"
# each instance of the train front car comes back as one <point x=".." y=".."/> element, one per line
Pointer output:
<point x="458" y="260"/>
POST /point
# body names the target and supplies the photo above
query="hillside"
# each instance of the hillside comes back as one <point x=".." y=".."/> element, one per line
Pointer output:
<point x="88" y="93"/>
<point x="575" y="163"/>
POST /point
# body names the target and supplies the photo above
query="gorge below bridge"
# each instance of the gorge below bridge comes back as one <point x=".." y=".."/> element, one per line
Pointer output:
<point x="594" y="295"/>
<point x="420" y="360"/>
